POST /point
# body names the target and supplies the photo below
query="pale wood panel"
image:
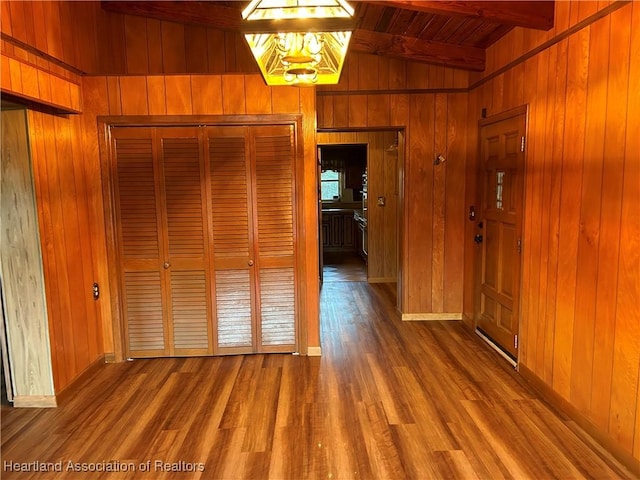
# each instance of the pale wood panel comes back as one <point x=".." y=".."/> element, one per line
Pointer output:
<point x="23" y="283"/>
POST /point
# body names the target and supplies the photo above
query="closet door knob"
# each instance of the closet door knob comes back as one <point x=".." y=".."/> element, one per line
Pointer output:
<point x="250" y="263"/>
<point x="166" y="265"/>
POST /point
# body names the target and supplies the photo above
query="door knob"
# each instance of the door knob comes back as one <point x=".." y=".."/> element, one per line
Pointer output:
<point x="478" y="239"/>
<point x="166" y="265"/>
<point x="250" y="263"/>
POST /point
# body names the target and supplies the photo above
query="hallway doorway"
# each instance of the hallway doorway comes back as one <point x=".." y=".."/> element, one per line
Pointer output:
<point x="344" y="267"/>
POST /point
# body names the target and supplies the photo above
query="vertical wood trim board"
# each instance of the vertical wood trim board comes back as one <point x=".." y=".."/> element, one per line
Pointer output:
<point x="23" y="286"/>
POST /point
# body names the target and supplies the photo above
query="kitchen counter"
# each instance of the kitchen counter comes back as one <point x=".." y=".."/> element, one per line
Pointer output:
<point x="338" y="210"/>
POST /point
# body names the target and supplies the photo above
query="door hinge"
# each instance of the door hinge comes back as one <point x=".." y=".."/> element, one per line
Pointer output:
<point x="522" y="144"/>
<point x="515" y="342"/>
<point x="519" y="246"/>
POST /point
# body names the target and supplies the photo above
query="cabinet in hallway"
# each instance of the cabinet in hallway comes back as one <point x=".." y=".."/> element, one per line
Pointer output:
<point x="205" y="239"/>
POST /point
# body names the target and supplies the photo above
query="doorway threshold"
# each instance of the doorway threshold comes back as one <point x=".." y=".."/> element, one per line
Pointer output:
<point x="497" y="348"/>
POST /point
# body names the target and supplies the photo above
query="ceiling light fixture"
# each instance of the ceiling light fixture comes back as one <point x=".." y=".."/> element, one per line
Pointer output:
<point x="298" y="42"/>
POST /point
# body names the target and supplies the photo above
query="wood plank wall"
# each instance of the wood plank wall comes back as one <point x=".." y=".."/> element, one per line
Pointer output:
<point x="32" y="78"/>
<point x="60" y="170"/>
<point x="383" y="181"/>
<point x="366" y="72"/>
<point x="73" y="33"/>
<point x="66" y="222"/>
<point x="580" y="326"/>
<point x="433" y="218"/>
<point x="215" y="95"/>
<point x="580" y="285"/>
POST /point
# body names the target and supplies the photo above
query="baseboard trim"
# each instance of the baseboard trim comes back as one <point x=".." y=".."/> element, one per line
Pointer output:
<point x="65" y="393"/>
<point x="314" y="351"/>
<point x="382" y="279"/>
<point x="417" y="317"/>
<point x="560" y="404"/>
<point x="35" y="401"/>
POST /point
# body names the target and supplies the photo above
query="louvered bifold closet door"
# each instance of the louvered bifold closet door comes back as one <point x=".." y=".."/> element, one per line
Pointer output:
<point x="274" y="216"/>
<point x="186" y="263"/>
<point x="232" y="235"/>
<point x="140" y="245"/>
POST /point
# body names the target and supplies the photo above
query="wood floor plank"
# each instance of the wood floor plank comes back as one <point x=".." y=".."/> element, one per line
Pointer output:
<point x="388" y="399"/>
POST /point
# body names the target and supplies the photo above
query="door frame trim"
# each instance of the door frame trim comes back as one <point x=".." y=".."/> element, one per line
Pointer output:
<point x="401" y="167"/>
<point x="114" y="325"/>
<point x="483" y="122"/>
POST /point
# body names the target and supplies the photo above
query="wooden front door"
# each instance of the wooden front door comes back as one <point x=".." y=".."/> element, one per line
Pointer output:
<point x="502" y="174"/>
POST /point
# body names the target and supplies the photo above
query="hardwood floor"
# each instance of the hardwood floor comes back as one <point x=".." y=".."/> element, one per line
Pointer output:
<point x="386" y="400"/>
<point x="344" y="267"/>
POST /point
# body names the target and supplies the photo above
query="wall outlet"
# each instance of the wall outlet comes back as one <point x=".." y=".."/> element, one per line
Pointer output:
<point x="381" y="201"/>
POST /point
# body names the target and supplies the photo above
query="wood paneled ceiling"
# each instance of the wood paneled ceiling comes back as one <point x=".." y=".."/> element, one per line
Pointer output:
<point x="450" y="33"/>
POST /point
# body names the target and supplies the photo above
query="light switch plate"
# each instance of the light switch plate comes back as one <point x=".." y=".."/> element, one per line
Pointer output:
<point x="381" y="201"/>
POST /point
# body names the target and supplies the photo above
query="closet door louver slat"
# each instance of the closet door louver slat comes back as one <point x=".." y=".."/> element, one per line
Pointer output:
<point x="273" y="148"/>
<point x="206" y="239"/>
<point x="232" y="238"/>
<point x="137" y="209"/>
<point x="186" y="219"/>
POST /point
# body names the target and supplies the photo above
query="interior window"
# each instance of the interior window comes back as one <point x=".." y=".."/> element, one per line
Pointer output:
<point x="330" y="181"/>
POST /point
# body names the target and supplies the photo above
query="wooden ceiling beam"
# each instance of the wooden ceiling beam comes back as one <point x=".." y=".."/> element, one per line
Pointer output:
<point x="208" y="14"/>
<point x="529" y="14"/>
<point x="416" y="50"/>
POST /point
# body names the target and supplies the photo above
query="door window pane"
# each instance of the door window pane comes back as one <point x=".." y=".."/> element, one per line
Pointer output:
<point x="499" y="184"/>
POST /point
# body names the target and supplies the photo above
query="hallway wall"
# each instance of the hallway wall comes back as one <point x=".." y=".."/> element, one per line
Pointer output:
<point x="580" y="317"/>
